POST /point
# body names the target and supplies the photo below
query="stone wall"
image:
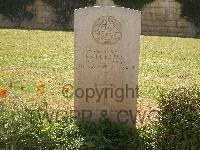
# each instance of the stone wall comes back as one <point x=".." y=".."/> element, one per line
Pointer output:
<point x="44" y="18"/>
<point x="161" y="17"/>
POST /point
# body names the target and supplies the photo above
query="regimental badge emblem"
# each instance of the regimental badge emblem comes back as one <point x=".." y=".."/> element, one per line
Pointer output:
<point x="107" y="30"/>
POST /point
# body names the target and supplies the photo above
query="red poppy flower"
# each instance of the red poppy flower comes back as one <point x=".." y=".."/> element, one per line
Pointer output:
<point x="3" y="92"/>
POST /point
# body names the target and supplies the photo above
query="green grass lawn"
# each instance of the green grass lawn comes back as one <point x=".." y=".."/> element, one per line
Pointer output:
<point x="30" y="56"/>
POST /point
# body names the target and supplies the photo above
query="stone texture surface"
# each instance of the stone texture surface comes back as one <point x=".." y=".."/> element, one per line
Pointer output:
<point x="44" y="18"/>
<point x="162" y="17"/>
<point x="106" y="62"/>
<point x="104" y="3"/>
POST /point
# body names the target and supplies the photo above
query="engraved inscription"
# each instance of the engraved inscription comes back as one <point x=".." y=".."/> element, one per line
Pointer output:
<point x="104" y="58"/>
<point x="107" y="30"/>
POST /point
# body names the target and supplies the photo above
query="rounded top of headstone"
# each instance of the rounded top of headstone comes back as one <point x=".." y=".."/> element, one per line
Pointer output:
<point x="109" y="8"/>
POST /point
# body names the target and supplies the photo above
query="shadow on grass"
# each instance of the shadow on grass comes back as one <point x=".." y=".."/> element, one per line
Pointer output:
<point x="42" y="29"/>
<point x="106" y="135"/>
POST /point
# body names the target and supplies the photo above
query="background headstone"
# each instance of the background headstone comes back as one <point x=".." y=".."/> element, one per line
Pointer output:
<point x="107" y="43"/>
<point x="105" y="3"/>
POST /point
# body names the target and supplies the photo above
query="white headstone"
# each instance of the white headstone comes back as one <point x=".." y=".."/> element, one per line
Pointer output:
<point x="107" y="43"/>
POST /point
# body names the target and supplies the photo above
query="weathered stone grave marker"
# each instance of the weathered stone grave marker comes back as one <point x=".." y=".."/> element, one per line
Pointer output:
<point x="107" y="42"/>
